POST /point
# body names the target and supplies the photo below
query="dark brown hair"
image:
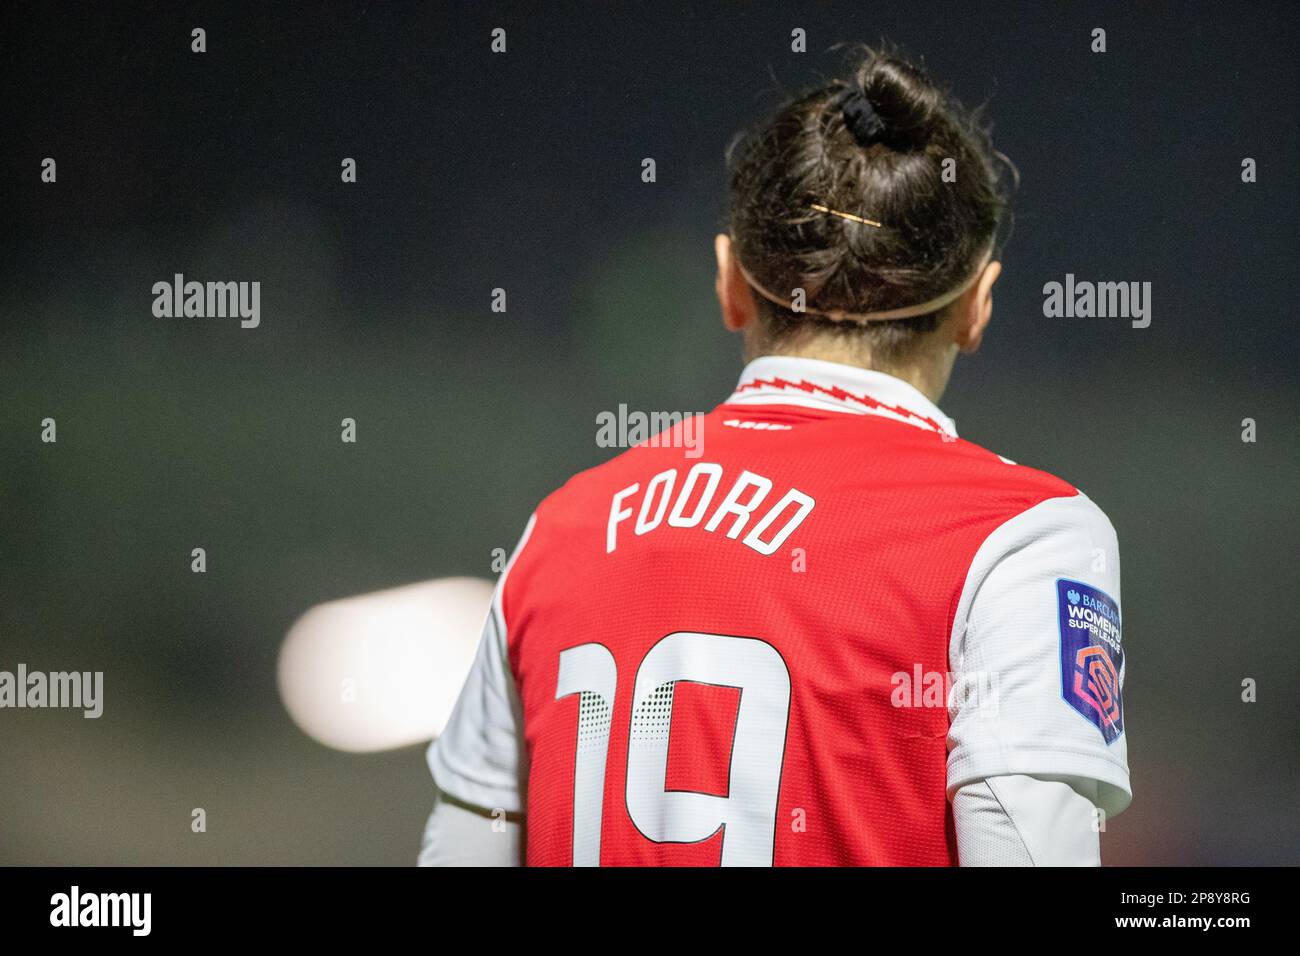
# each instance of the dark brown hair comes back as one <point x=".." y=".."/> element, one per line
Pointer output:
<point x="933" y="232"/>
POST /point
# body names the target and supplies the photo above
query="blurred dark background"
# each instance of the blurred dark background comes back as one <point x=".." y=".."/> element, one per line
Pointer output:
<point x="522" y="171"/>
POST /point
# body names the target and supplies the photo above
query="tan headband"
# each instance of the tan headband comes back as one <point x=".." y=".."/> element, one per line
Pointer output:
<point x="925" y="308"/>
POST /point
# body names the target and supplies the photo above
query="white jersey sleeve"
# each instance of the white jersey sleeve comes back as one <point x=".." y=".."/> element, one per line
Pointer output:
<point x="456" y="836"/>
<point x="479" y="758"/>
<point x="1036" y="647"/>
<point x="1024" y="821"/>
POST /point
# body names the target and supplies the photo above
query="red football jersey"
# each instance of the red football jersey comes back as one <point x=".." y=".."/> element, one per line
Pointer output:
<point x="733" y="644"/>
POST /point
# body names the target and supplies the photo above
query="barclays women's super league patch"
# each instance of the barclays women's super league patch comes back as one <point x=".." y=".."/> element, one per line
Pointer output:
<point x="1091" y="656"/>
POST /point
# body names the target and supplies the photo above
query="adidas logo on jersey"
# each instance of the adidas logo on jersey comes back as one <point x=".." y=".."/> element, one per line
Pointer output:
<point x="762" y="426"/>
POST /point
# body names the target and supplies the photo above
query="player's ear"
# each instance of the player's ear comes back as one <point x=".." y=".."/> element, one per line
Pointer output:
<point x="975" y="309"/>
<point x="734" y="294"/>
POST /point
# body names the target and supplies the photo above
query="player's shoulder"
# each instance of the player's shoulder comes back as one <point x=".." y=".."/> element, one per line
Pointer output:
<point x="1017" y="488"/>
<point x="997" y="472"/>
<point x="1038" y="501"/>
<point x="572" y="500"/>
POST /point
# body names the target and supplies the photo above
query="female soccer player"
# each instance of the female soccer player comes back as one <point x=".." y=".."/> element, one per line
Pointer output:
<point x="840" y="635"/>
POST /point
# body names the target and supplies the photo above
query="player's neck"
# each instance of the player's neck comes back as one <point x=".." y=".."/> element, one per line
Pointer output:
<point x="927" y="372"/>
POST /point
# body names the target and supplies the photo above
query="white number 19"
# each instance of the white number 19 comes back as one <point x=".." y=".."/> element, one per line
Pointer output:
<point x="748" y="812"/>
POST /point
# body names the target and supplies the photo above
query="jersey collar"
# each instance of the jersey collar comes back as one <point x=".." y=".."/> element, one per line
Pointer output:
<point x="813" y="383"/>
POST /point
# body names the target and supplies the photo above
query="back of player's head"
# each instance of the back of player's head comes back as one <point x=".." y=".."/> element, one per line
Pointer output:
<point x="886" y="144"/>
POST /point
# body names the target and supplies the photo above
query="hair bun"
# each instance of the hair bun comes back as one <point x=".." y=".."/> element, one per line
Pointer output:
<point x="905" y="101"/>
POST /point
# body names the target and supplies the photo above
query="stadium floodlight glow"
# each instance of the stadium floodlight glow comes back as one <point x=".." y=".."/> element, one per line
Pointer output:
<point x="382" y="670"/>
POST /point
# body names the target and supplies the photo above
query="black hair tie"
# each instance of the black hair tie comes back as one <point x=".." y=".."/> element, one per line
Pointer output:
<point x="860" y="118"/>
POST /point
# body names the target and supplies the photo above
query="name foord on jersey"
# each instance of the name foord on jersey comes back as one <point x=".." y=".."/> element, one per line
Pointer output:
<point x="1091" y="655"/>
<point x="692" y="501"/>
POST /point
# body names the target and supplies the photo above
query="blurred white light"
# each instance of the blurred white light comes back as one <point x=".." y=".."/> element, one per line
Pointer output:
<point x="383" y="670"/>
